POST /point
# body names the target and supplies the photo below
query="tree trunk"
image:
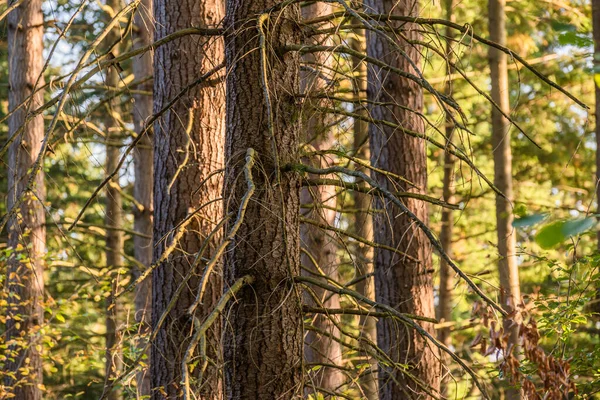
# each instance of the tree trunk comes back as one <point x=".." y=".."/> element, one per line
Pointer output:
<point x="188" y="147"/>
<point x="399" y="282"/>
<point x="596" y="28"/>
<point x="142" y="189"/>
<point x="363" y="223"/>
<point x="510" y="293"/>
<point x="26" y="229"/>
<point x="263" y="341"/>
<point x="113" y="218"/>
<point x="446" y="273"/>
<point x="319" y="246"/>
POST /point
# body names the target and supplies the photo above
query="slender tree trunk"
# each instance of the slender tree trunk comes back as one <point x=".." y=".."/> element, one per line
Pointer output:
<point x="399" y="282"/>
<point x="446" y="273"/>
<point x="26" y="230"/>
<point x="263" y="341"/>
<point x="142" y="190"/>
<point x="596" y="28"/>
<point x="188" y="147"/>
<point x="510" y="292"/>
<point x="320" y="247"/>
<point x="363" y="223"/>
<point x="114" y="218"/>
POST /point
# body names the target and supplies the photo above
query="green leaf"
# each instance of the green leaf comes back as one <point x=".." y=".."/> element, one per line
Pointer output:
<point x="528" y="220"/>
<point x="562" y="26"/>
<point x="520" y="210"/>
<point x="573" y="228"/>
<point x="559" y="231"/>
<point x="574" y="39"/>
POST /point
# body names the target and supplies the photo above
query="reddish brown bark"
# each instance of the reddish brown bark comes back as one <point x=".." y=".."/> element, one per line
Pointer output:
<point x="185" y="156"/>
<point x="26" y="229"/>
<point x="399" y="282"/>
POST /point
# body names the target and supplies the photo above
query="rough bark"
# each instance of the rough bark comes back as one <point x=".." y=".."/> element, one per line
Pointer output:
<point x="444" y="312"/>
<point x="143" y="35"/>
<point x="184" y="157"/>
<point x="113" y="217"/>
<point x="363" y="223"/>
<point x="399" y="282"/>
<point x="319" y="205"/>
<point x="26" y="230"/>
<point x="263" y="340"/>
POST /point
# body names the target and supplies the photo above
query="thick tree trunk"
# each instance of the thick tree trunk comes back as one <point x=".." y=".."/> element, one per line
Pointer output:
<point x="446" y="297"/>
<point x="399" y="282"/>
<point x="143" y="35"/>
<point x="319" y="205"/>
<point x="263" y="340"/>
<point x="114" y="218"/>
<point x="188" y="147"/>
<point x="510" y="292"/>
<point x="25" y="272"/>
<point x="363" y="223"/>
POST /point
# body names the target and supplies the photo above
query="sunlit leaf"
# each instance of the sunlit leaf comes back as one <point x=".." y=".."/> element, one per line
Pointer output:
<point x="575" y="227"/>
<point x="528" y="220"/>
<point x="559" y="231"/>
<point x="575" y="39"/>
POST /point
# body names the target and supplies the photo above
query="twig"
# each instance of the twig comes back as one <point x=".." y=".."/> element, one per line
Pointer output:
<point x="202" y="328"/>
<point x="250" y="160"/>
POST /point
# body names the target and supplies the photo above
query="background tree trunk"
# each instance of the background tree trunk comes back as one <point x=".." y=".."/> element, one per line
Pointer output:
<point x="263" y="341"/>
<point x="596" y="27"/>
<point x="399" y="282"/>
<point x="363" y="223"/>
<point x="143" y="35"/>
<point x="321" y="201"/>
<point x="25" y="275"/>
<point x="188" y="147"/>
<point x="510" y="292"/>
<point x="113" y="218"/>
<point x="446" y="272"/>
